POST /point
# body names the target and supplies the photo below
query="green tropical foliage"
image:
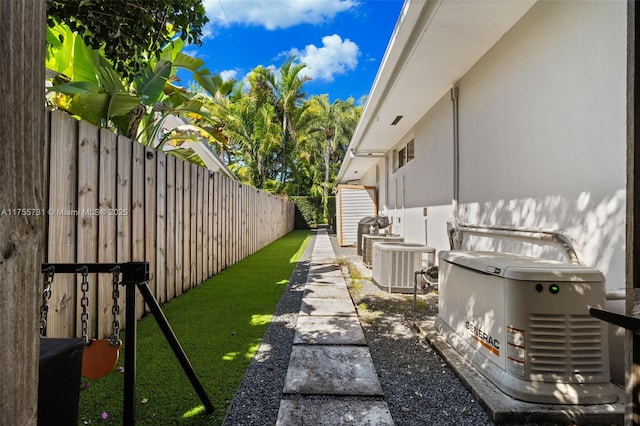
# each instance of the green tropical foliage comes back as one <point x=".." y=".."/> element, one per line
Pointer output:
<point x="140" y="27"/>
<point x="266" y="130"/>
<point x="332" y="130"/>
<point x="84" y="83"/>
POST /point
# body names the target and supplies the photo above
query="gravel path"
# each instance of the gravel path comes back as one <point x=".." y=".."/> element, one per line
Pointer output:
<point x="419" y="387"/>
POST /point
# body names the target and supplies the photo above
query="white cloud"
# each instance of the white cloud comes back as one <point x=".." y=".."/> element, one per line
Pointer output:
<point x="274" y="14"/>
<point x="228" y="74"/>
<point x="335" y="57"/>
<point x="193" y="53"/>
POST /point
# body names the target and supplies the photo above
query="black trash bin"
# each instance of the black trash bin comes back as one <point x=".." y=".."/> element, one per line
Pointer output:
<point x="59" y="382"/>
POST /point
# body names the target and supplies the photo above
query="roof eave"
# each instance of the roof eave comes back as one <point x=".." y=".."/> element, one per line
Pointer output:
<point x="409" y="81"/>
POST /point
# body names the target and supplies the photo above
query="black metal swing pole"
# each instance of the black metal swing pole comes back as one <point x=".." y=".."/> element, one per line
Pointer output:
<point x="175" y="345"/>
<point x="131" y="337"/>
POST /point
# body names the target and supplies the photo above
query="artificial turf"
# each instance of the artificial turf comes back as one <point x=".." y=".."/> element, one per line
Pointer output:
<point x="219" y="324"/>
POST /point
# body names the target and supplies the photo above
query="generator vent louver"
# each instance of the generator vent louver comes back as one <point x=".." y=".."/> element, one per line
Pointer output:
<point x="567" y="345"/>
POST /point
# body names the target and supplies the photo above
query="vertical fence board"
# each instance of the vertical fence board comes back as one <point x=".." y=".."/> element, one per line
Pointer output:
<point x="194" y="224"/>
<point x="186" y="232"/>
<point x="256" y="218"/>
<point x="199" y="226"/>
<point x="231" y="221"/>
<point x="161" y="227"/>
<point x="179" y="232"/>
<point x="225" y="223"/>
<point x="87" y="247"/>
<point x="62" y="229"/>
<point x="221" y="206"/>
<point x="245" y="214"/>
<point x="171" y="228"/>
<point x="150" y="215"/>
<point x="107" y="227"/>
<point x="261" y="230"/>
<point x="245" y="224"/>
<point x="124" y="241"/>
<point x="211" y="224"/>
<point x="205" y="225"/>
<point x="252" y="216"/>
<point x="235" y="215"/>
<point x="216" y="223"/>
<point x="138" y="212"/>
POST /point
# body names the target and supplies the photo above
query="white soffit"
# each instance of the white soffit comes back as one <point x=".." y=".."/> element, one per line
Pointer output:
<point x="434" y="44"/>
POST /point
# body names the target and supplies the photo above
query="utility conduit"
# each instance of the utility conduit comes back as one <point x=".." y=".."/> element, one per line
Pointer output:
<point x="558" y="239"/>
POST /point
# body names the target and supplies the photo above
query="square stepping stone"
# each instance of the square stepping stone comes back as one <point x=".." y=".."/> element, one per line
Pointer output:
<point x="334" y="413"/>
<point x="327" y="307"/>
<point x="327" y="291"/>
<point x="325" y="270"/>
<point x="331" y="370"/>
<point x="314" y="330"/>
<point x="326" y="279"/>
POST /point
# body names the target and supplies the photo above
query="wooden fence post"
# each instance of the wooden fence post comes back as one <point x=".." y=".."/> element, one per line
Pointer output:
<point x="22" y="237"/>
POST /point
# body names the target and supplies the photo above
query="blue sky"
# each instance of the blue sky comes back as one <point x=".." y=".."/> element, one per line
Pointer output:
<point x="341" y="41"/>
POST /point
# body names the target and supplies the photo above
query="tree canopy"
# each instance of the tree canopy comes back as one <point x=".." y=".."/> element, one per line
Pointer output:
<point x="265" y="128"/>
<point x="130" y="31"/>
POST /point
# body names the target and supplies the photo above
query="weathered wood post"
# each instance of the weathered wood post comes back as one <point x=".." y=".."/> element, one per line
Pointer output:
<point x="22" y="136"/>
<point x="632" y="414"/>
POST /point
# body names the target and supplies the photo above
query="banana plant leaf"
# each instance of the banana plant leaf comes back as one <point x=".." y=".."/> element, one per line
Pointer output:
<point x="150" y="85"/>
<point x="67" y="54"/>
<point x="186" y="154"/>
<point x="103" y="105"/>
<point x="75" y="88"/>
<point x="109" y="80"/>
<point x="121" y="104"/>
<point x="189" y="62"/>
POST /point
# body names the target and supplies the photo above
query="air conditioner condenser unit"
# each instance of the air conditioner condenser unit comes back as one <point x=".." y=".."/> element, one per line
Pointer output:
<point x="394" y="264"/>
<point x="524" y="324"/>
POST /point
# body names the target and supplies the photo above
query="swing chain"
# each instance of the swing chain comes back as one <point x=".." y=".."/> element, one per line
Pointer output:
<point x="46" y="295"/>
<point x="115" y="309"/>
<point x="84" y="303"/>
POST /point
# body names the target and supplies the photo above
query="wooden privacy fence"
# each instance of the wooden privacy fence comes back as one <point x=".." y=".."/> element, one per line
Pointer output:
<point x="114" y="200"/>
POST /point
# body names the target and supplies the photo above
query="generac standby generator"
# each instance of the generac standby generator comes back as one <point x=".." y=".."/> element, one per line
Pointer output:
<point x="524" y="323"/>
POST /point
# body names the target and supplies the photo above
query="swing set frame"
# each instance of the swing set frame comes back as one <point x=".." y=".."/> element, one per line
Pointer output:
<point x="135" y="275"/>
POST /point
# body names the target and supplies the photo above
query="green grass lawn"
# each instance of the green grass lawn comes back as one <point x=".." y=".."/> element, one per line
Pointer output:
<point x="219" y="324"/>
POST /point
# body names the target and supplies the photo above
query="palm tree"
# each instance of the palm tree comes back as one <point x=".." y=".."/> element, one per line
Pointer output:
<point x="333" y="126"/>
<point x="289" y="91"/>
<point x="254" y="137"/>
<point x="284" y="91"/>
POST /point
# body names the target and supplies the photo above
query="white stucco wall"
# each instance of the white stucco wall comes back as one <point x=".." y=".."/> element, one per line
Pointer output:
<point x="542" y="140"/>
<point x="427" y="179"/>
<point x="542" y="130"/>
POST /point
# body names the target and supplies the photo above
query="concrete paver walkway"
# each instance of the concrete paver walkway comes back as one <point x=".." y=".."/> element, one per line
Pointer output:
<point x="330" y="359"/>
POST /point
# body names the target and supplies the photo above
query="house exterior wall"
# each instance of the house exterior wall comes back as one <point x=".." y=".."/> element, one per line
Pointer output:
<point x="543" y="130"/>
<point x="542" y="140"/>
<point x="425" y="181"/>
